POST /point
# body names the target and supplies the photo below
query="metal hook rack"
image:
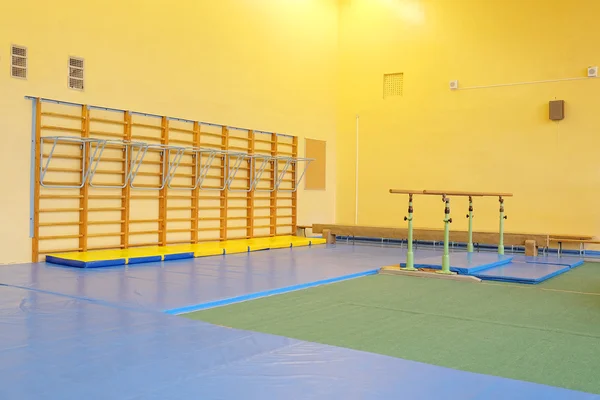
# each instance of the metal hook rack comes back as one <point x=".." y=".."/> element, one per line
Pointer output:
<point x="168" y="166"/>
<point x="257" y="173"/>
<point x="135" y="154"/>
<point x="289" y="162"/>
<point x="85" y="144"/>
<point x="128" y="149"/>
<point x="239" y="159"/>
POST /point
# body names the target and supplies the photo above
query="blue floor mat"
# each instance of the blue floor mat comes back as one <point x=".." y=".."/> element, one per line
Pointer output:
<point x="571" y="262"/>
<point x="519" y="272"/>
<point x="57" y="347"/>
<point x="463" y="263"/>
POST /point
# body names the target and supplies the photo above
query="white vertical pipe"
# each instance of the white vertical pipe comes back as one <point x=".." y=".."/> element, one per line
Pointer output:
<point x="356" y="174"/>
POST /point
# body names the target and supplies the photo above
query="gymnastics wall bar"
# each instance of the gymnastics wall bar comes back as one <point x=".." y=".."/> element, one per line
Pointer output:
<point x="118" y="158"/>
<point x="448" y="220"/>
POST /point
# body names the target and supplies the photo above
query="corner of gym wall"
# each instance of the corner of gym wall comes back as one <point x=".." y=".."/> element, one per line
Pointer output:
<point x="488" y="139"/>
<point x="258" y="64"/>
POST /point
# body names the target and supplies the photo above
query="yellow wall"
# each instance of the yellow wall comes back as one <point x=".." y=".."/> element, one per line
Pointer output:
<point x="494" y="139"/>
<point x="261" y="64"/>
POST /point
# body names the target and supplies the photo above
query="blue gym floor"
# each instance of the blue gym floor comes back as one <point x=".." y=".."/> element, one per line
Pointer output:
<point x="68" y="333"/>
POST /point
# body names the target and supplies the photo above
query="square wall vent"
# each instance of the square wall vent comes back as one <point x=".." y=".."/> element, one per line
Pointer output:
<point x="18" y="62"/>
<point x="76" y="73"/>
<point x="393" y="84"/>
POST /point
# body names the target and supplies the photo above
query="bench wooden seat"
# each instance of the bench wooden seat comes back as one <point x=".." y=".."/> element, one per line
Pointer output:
<point x="432" y="235"/>
<point x="582" y="240"/>
<point x="301" y="230"/>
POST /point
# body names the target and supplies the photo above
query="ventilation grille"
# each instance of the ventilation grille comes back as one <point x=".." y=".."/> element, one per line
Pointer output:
<point x="76" y="73"/>
<point x="18" y="63"/>
<point x="393" y="84"/>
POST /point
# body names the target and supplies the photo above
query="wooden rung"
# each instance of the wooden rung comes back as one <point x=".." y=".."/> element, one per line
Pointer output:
<point x="262" y="226"/>
<point x="236" y="228"/>
<point x="62" y="129"/>
<point x="61" y="115"/>
<point x="283" y="207"/>
<point x="59" y="237"/>
<point x="263" y="141"/>
<point x="179" y="241"/>
<point x="183" y="175"/>
<point x="106" y="222"/>
<point x="285" y="216"/>
<point x="105" y="197"/>
<point x="210" y="208"/>
<point x="91" y="235"/>
<point x="140" y="125"/>
<point x="52" y="210"/>
<point x="219" y="135"/>
<point x="60" y="196"/>
<point x="210" y="219"/>
<point x="182" y="186"/>
<point x="262" y="217"/>
<point x="180" y="208"/>
<point x="238" y="148"/>
<point x="118" y="246"/>
<point x="144" y="221"/>
<point x="54" y="183"/>
<point x="176" y="141"/>
<point x="59" y="251"/>
<point x="233" y="137"/>
<point x="145" y="185"/>
<point x="210" y="187"/>
<point x="238" y="208"/>
<point x="150" y="139"/>
<point x="180" y="130"/>
<point x="95" y="209"/>
<point x="179" y="230"/>
<point x="55" y="169"/>
<point x="209" y="197"/>
<point x="179" y="220"/>
<point x="153" y="174"/>
<point x="59" y="224"/>
<point x="282" y="225"/>
<point x="172" y="196"/>
<point x="146" y="244"/>
<point x="209" y="229"/>
<point x="107" y="134"/>
<point x="107" y="121"/>
<point x="287" y="153"/>
<point x="64" y="156"/>
<point x="145" y="197"/>
<point x="238" y="237"/>
<point x="144" y="232"/>
<point x="215" y="239"/>
<point x="236" y="218"/>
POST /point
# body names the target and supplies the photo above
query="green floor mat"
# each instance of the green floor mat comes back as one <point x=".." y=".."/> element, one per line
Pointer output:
<point x="548" y="333"/>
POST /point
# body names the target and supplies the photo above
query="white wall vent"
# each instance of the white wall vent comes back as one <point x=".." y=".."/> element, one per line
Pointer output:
<point x="76" y="73"/>
<point x="18" y="62"/>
